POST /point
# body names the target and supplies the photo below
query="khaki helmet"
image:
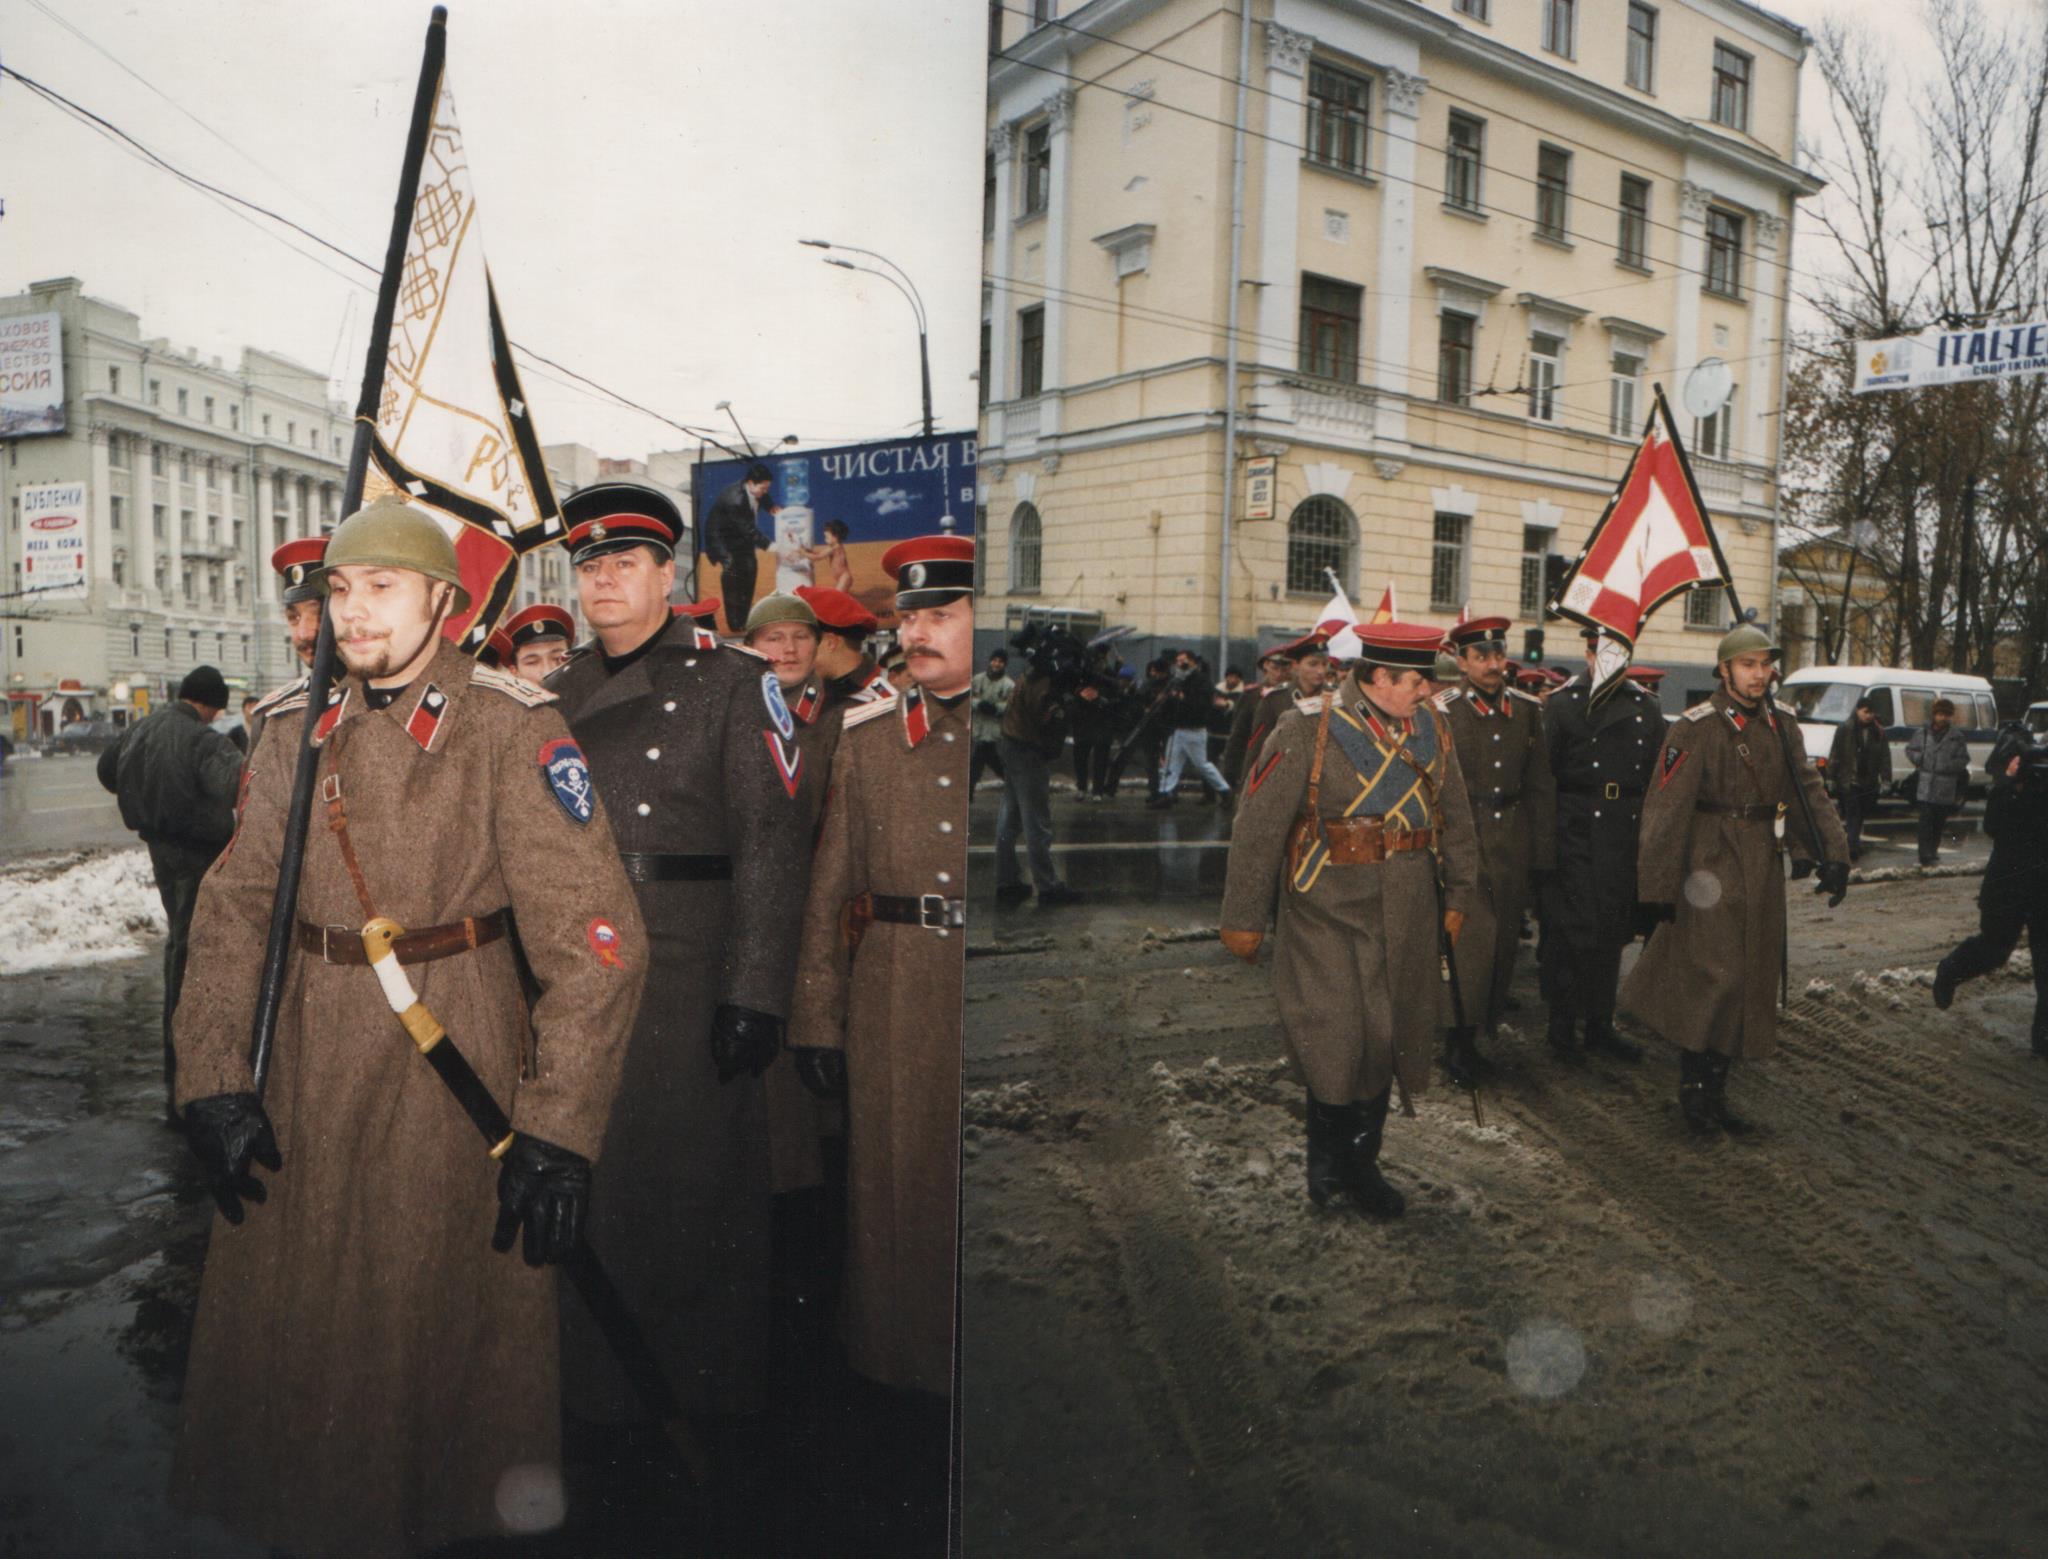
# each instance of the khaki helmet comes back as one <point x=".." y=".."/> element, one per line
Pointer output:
<point x="1743" y="641"/>
<point x="391" y="533"/>
<point x="780" y="608"/>
<point x="1446" y="668"/>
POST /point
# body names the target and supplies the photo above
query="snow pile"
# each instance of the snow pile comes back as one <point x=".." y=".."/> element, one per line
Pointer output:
<point x="1890" y="985"/>
<point x="1820" y="990"/>
<point x="80" y="910"/>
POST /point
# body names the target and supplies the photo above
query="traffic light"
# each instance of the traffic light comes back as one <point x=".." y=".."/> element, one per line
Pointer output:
<point x="1532" y="645"/>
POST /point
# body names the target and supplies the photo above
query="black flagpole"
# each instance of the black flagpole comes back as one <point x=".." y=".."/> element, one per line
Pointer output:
<point x="284" y="908"/>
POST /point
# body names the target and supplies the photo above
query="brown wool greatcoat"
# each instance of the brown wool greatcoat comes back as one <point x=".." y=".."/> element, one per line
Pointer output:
<point x="365" y="1369"/>
<point x="1514" y="813"/>
<point x="1709" y="980"/>
<point x="895" y="823"/>
<point x="1357" y="977"/>
<point x="685" y="749"/>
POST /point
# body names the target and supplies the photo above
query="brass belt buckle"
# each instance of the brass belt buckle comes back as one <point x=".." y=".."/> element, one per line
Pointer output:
<point x="1613" y="791"/>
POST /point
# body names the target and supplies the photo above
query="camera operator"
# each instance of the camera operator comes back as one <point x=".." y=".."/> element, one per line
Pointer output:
<point x="2015" y="891"/>
<point x="1035" y="729"/>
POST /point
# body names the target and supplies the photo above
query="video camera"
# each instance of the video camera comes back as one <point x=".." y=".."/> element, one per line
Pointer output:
<point x="2016" y="741"/>
<point x="1055" y="653"/>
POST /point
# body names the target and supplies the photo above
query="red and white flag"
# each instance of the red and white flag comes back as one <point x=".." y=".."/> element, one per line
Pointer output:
<point x="1653" y="542"/>
<point x="1386" y="612"/>
<point x="453" y="432"/>
<point x="1339" y="623"/>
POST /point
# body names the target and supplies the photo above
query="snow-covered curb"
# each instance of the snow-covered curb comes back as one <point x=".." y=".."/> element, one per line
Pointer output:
<point x="64" y="913"/>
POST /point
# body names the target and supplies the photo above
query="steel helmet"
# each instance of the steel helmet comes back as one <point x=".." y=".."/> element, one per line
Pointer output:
<point x="391" y="533"/>
<point x="1743" y="641"/>
<point x="780" y="608"/>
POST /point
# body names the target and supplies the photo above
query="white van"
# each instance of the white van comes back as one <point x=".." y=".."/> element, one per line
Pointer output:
<point x="1825" y="696"/>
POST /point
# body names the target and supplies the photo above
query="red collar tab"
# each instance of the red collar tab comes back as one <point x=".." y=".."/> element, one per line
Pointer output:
<point x="706" y="639"/>
<point x="424" y="723"/>
<point x="806" y="707"/>
<point x="917" y="720"/>
<point x="336" y="702"/>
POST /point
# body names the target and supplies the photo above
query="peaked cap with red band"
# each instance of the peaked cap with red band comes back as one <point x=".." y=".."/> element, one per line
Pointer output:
<point x="497" y="650"/>
<point x="1649" y="676"/>
<point x="1399" y="646"/>
<point x="611" y="516"/>
<point x="1479" y="630"/>
<point x="837" y="609"/>
<point x="931" y="570"/>
<point x="703" y="613"/>
<point x="297" y="563"/>
<point x="1314" y="642"/>
<point x="543" y="621"/>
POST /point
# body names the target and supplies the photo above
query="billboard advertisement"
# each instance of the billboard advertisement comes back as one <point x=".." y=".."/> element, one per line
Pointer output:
<point x="826" y="517"/>
<point x="31" y="375"/>
<point x="53" y="540"/>
<point x="1952" y="357"/>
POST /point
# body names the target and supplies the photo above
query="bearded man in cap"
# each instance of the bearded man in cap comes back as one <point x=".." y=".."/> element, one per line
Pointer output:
<point x="1716" y="823"/>
<point x="297" y="565"/>
<point x="878" y="1016"/>
<point x="176" y="779"/>
<point x="1498" y="733"/>
<point x="1602" y="757"/>
<point x="1356" y="820"/>
<point x="695" y="750"/>
<point x="368" y="1375"/>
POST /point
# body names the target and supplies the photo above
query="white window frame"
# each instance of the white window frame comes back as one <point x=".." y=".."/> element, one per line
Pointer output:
<point x="1546" y="373"/>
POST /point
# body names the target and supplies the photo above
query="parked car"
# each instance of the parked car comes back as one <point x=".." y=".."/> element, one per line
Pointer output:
<point x="1825" y="696"/>
<point x="2036" y="719"/>
<point x="85" y="736"/>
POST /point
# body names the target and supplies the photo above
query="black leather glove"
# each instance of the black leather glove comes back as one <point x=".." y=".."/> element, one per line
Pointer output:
<point x="1834" y="882"/>
<point x="546" y="1190"/>
<point x="743" y="1040"/>
<point x="1801" y="868"/>
<point x="822" y="1071"/>
<point x="226" y="1131"/>
<point x="1646" y="918"/>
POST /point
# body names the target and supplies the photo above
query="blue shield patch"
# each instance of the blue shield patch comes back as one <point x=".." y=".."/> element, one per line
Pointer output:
<point x="563" y="766"/>
<point x="778" y="708"/>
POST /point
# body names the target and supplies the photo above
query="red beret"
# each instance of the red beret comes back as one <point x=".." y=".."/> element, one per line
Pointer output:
<point x="837" y="609"/>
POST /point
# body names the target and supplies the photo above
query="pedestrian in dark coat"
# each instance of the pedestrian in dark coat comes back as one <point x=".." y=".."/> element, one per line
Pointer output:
<point x="732" y="538"/>
<point x="177" y="779"/>
<point x="1356" y="820"/>
<point x="2014" y="894"/>
<point x="1859" y="769"/>
<point x="695" y="751"/>
<point x="1498" y="733"/>
<point x="1715" y="826"/>
<point x="1602" y="757"/>
<point x="1940" y="756"/>
<point x="368" y="1376"/>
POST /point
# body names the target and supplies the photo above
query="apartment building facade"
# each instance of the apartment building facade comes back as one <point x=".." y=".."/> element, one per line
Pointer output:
<point x="1462" y="238"/>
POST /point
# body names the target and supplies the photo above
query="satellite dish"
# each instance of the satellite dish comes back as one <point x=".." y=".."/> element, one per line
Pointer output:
<point x="1707" y="387"/>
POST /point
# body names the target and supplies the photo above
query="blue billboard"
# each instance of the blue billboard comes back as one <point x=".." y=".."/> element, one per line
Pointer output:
<point x="826" y="518"/>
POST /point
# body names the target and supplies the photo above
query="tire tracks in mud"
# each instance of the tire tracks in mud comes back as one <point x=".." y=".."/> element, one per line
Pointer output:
<point x="1251" y="1474"/>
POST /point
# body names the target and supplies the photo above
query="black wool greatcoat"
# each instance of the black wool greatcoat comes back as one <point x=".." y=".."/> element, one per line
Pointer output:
<point x="1602" y="758"/>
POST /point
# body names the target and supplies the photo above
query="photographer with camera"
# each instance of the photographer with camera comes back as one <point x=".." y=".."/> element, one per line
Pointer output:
<point x="1035" y="727"/>
<point x="2015" y="890"/>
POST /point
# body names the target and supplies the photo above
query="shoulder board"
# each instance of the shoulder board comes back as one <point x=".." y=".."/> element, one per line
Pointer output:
<point x="1785" y="708"/>
<point x="1699" y="711"/>
<point x="1448" y="697"/>
<point x="277" y="697"/>
<point x="1527" y="698"/>
<point x="725" y="644"/>
<point x="517" y="689"/>
<point x="861" y="714"/>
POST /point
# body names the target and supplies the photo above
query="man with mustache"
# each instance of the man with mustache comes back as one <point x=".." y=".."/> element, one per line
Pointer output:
<point x="355" y="1325"/>
<point x="877" y="1018"/>
<point x="297" y="564"/>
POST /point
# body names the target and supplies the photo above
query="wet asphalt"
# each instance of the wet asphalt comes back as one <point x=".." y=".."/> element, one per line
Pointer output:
<point x="51" y="804"/>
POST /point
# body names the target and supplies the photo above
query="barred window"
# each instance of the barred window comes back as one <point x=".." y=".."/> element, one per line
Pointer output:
<point x="1338" y="109"/>
<point x="1535" y="548"/>
<point x="1705" y="608"/>
<point x="1447" y="563"/>
<point x="1322" y="535"/>
<point x="1026" y="542"/>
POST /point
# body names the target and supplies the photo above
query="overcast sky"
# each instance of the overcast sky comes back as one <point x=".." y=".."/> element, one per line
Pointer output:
<point x="643" y="173"/>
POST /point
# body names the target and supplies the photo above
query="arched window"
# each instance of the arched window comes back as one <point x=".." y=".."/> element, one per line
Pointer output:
<point x="1321" y="534"/>
<point x="1025" y="542"/>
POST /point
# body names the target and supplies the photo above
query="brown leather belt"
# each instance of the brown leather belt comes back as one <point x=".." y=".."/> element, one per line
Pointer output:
<point x="1362" y="841"/>
<point x="643" y="867"/>
<point x="1742" y="814"/>
<point x="344" y="944"/>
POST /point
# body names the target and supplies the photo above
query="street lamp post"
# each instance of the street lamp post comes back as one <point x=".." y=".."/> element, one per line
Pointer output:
<point x="898" y="278"/>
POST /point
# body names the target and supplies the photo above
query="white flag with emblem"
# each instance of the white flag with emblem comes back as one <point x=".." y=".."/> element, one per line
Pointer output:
<point x="453" y="433"/>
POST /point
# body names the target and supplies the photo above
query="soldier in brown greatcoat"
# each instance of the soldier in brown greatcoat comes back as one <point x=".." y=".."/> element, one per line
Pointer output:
<point x="367" y="1375"/>
<point x="878" y="1011"/>
<point x="695" y="752"/>
<point x="1358" y="818"/>
<point x="1715" y="825"/>
<point x="1275" y="669"/>
<point x="1308" y="680"/>
<point x="297" y="564"/>
<point x="1499" y="736"/>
